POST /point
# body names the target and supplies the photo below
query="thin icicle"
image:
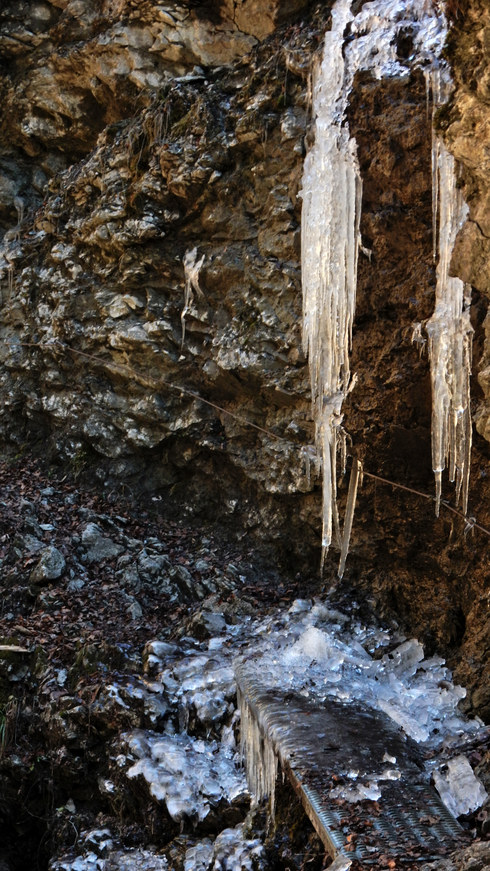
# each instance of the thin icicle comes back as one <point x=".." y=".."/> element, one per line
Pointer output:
<point x="309" y="455"/>
<point x="428" y="85"/>
<point x="354" y="480"/>
<point x="434" y="77"/>
<point x="418" y="338"/>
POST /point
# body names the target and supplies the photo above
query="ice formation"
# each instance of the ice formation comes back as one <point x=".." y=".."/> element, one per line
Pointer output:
<point x="96" y="850"/>
<point x="261" y="762"/>
<point x="449" y="329"/>
<point x="311" y="651"/>
<point x="190" y="761"/>
<point x="330" y="230"/>
<point x="314" y="655"/>
<point x="332" y="208"/>
<point x="460" y="790"/>
<point x="188" y="774"/>
<point x="232" y="850"/>
<point x="355" y="477"/>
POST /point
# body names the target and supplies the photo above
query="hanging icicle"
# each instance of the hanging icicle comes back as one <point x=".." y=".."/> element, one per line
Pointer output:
<point x="331" y="238"/>
<point x="330" y="222"/>
<point x="355" y="479"/>
<point x="449" y="329"/>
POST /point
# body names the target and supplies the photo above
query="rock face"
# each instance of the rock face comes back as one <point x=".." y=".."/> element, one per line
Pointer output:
<point x="150" y="171"/>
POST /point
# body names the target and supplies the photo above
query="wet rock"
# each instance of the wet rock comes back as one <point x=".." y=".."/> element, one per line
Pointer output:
<point x="30" y="544"/>
<point x="207" y="624"/>
<point x="50" y="566"/>
<point x="16" y="663"/>
<point x="134" y="609"/>
<point x="153" y="568"/>
<point x="75" y="585"/>
<point x="474" y="858"/>
<point x="97" y="545"/>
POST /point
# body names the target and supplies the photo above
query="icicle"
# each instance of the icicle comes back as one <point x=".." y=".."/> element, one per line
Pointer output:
<point x="355" y="475"/>
<point x="332" y="202"/>
<point x="261" y="762"/>
<point x="418" y="338"/>
<point x="309" y="455"/>
<point x="330" y="224"/>
<point x="434" y="77"/>
<point x="343" y="449"/>
<point x="428" y="86"/>
<point x="449" y="329"/>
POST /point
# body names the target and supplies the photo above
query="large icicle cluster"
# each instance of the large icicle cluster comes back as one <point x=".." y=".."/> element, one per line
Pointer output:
<point x="330" y="230"/>
<point x="449" y="330"/>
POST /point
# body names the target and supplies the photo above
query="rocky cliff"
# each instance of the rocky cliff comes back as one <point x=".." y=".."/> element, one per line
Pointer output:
<point x="150" y="171"/>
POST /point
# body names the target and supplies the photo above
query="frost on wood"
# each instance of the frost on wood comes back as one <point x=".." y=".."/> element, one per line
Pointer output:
<point x="449" y="329"/>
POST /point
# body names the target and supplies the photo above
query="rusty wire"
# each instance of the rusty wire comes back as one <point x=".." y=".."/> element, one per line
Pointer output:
<point x="125" y="370"/>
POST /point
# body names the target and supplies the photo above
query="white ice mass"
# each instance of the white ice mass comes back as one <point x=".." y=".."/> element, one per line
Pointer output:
<point x="330" y="241"/>
<point x="321" y="654"/>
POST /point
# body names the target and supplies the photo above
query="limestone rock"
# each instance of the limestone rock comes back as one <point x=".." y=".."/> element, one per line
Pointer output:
<point x="51" y="566"/>
<point x="474" y="858"/>
<point x="98" y="545"/>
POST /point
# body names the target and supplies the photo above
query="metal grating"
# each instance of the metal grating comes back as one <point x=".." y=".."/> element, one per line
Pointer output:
<point x="320" y="745"/>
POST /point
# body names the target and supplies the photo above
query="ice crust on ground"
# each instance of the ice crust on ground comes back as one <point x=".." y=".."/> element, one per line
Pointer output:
<point x="190" y="761"/>
<point x="232" y="850"/>
<point x="189" y="774"/>
<point x="332" y="196"/>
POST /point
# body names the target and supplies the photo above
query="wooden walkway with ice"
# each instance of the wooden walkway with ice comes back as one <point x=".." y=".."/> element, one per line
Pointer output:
<point x="334" y="750"/>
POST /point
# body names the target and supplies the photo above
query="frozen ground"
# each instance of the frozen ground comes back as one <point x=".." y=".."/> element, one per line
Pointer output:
<point x="190" y="764"/>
